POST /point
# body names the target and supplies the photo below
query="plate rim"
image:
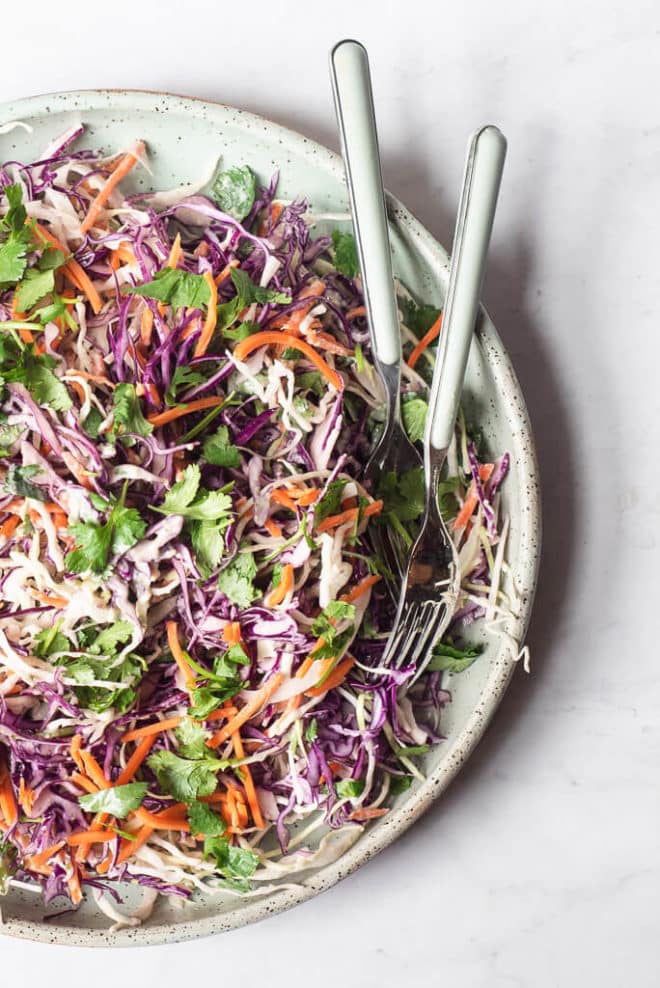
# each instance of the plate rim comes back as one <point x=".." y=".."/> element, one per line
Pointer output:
<point x="373" y="841"/>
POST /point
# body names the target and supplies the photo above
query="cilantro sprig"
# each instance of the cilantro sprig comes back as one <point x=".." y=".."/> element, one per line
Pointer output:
<point x="96" y="542"/>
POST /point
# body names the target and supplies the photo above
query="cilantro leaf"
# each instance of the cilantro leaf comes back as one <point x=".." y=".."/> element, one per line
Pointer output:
<point x="411" y="751"/>
<point x="207" y="699"/>
<point x="174" y="287"/>
<point x="95" y="542"/>
<point x="399" y="784"/>
<point x="325" y="626"/>
<point x="208" y="542"/>
<point x="249" y="292"/>
<point x="16" y="215"/>
<point x="452" y="659"/>
<point x="192" y="739"/>
<point x="237" y="581"/>
<point x="312" y="381"/>
<point x="418" y="318"/>
<point x="183" y="778"/>
<point x="12" y="261"/>
<point x="115" y="634"/>
<point x="447" y="497"/>
<point x="36" y="374"/>
<point x="127" y="412"/>
<point x="34" y="286"/>
<point x="49" y="641"/>
<point x="118" y="800"/>
<point x="337" y="610"/>
<point x="9" y="434"/>
<point x="183" y="493"/>
<point x="183" y="376"/>
<point x="312" y="730"/>
<point x="402" y="494"/>
<point x="219" y="451"/>
<point x="349" y="788"/>
<point x="18" y="482"/>
<point x="330" y="503"/>
<point x="92" y="422"/>
<point x="126" y="675"/>
<point x="234" y="191"/>
<point x="235" y="862"/>
<point x="204" y="821"/>
<point x="346" y="258"/>
<point x="413" y="412"/>
<point x="128" y="527"/>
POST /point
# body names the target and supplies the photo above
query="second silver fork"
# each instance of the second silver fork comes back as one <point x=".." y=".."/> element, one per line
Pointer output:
<point x="432" y="584"/>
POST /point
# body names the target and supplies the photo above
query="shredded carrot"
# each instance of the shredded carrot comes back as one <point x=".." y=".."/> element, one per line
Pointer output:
<point x="146" y="326"/>
<point x="177" y="654"/>
<point x="267" y="338"/>
<point x="273" y="528"/>
<point x="9" y="526"/>
<point x="309" y="497"/>
<point x="175" y="253"/>
<point x="8" y="804"/>
<point x="324" y="341"/>
<point x="336" y="677"/>
<point x="352" y="514"/>
<point x="248" y="711"/>
<point x="360" y="589"/>
<point x="223" y="712"/>
<point x="472" y="500"/>
<point x="367" y="813"/>
<point x="73" y="884"/>
<point x="425" y="342"/>
<point x="292" y="320"/>
<point x="224" y="274"/>
<point x="26" y="797"/>
<point x="94" y="770"/>
<point x="151" y="729"/>
<point x="281" y="497"/>
<point x="211" y="319"/>
<point x="356" y="312"/>
<point x="48" y="599"/>
<point x="231" y="633"/>
<point x="248" y="782"/>
<point x="129" y="847"/>
<point x="126" y="163"/>
<point x="81" y="780"/>
<point x="285" y="586"/>
<point x="91" y="837"/>
<point x="36" y="862"/>
<point x="136" y="759"/>
<point x="193" y="406"/>
<point x="164" y="820"/>
<point x="76" y="745"/>
<point x="73" y="271"/>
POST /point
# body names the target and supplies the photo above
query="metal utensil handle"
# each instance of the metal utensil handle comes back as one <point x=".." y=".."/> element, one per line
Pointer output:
<point x="351" y="84"/>
<point x="481" y="183"/>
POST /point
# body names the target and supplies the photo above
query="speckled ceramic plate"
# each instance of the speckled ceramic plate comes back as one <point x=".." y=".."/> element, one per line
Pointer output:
<point x="186" y="137"/>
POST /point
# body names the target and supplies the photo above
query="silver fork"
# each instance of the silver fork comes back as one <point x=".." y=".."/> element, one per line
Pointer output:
<point x="432" y="584"/>
<point x="351" y="84"/>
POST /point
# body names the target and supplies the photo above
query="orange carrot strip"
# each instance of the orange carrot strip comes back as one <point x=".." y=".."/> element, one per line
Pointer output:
<point x="224" y="274"/>
<point x="91" y="837"/>
<point x="146" y="326"/>
<point x="231" y="633"/>
<point x="309" y="497"/>
<point x="47" y="599"/>
<point x="129" y="847"/>
<point x="84" y="783"/>
<point x="177" y="654"/>
<point x="94" y="770"/>
<point x="292" y="320"/>
<point x="73" y="884"/>
<point x="336" y="677"/>
<point x="267" y="337"/>
<point x="367" y="813"/>
<point x="472" y="499"/>
<point x="136" y="759"/>
<point x="360" y="589"/>
<point x="193" y="406"/>
<point x="281" y="497"/>
<point x="355" y="313"/>
<point x="151" y="729"/>
<point x="209" y="325"/>
<point x="73" y="271"/>
<point x="26" y="797"/>
<point x="248" y="782"/>
<point x="425" y="341"/>
<point x="175" y="253"/>
<point x="9" y="526"/>
<point x="352" y="514"/>
<point x="36" y="861"/>
<point x="126" y="163"/>
<point x="277" y="595"/>
<point x="8" y="803"/>
<point x="271" y="527"/>
<point x="162" y="821"/>
<point x="224" y="712"/>
<point x="76" y="745"/>
<point x="248" y="711"/>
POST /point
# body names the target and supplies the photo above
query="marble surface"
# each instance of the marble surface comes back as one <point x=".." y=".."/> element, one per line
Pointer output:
<point x="541" y="866"/>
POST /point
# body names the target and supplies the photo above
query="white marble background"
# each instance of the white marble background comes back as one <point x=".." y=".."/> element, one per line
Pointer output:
<point x="540" y="867"/>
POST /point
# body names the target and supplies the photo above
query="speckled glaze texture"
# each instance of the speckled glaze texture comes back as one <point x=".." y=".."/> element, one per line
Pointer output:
<point x="186" y="137"/>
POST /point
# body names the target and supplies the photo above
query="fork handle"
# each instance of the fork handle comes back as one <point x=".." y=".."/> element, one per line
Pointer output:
<point x="351" y="86"/>
<point x="481" y="183"/>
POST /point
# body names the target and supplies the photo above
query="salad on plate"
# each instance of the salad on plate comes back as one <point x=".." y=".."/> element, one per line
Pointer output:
<point x="192" y="619"/>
